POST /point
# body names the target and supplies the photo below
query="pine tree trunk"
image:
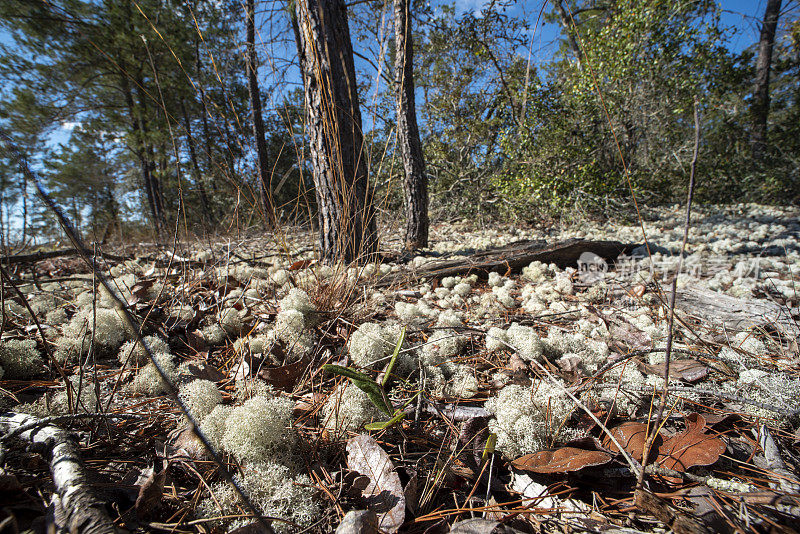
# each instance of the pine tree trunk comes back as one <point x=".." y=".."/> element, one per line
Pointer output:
<point x="205" y="206"/>
<point x="344" y="198"/>
<point x="141" y="153"/>
<point x="152" y="183"/>
<point x="760" y="105"/>
<point x="204" y="116"/>
<point x="258" y="121"/>
<point x="416" y="179"/>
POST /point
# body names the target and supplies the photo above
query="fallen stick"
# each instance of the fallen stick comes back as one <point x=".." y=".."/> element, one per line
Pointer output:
<point x="50" y="254"/>
<point x="75" y="507"/>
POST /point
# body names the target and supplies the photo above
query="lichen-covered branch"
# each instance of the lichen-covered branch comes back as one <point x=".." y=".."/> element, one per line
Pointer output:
<point x="75" y="507"/>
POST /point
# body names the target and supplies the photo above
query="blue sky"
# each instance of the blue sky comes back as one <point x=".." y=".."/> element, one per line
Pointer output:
<point x="743" y="15"/>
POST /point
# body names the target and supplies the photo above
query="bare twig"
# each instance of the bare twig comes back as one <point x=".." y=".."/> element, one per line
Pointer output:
<point x="671" y="322"/>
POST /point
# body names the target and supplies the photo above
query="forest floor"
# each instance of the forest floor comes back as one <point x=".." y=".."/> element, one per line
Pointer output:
<point x="509" y="401"/>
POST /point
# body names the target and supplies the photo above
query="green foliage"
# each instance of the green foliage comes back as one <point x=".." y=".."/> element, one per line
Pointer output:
<point x="374" y="390"/>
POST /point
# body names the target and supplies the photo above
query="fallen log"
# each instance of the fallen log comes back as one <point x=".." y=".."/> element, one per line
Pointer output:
<point x="75" y="507"/>
<point x="736" y="314"/>
<point x="511" y="258"/>
<point x="50" y="254"/>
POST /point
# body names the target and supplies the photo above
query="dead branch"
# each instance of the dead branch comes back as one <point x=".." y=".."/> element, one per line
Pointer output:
<point x="50" y="254"/>
<point x="76" y="508"/>
<point x="512" y="258"/>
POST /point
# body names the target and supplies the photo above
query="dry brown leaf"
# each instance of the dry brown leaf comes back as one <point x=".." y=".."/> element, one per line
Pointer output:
<point x="563" y="460"/>
<point x="686" y="370"/>
<point x="358" y="522"/>
<point x="204" y="370"/>
<point x="186" y="440"/>
<point x="627" y="337"/>
<point x="286" y="376"/>
<point x="301" y="264"/>
<point x="479" y="525"/>
<point x="691" y="447"/>
<point x="632" y="437"/>
<point x="151" y="492"/>
<point x="384" y="494"/>
<point x="140" y="290"/>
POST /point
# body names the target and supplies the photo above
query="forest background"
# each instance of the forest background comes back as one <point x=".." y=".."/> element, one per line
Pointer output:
<point x="137" y="112"/>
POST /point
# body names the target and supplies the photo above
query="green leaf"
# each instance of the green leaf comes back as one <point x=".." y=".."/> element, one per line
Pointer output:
<point x="373" y="390"/>
<point x="393" y="361"/>
<point x="399" y="415"/>
<point x="488" y="450"/>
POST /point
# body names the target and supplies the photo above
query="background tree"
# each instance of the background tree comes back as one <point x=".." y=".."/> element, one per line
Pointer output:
<point x="760" y="105"/>
<point x="262" y="165"/>
<point x="416" y="178"/>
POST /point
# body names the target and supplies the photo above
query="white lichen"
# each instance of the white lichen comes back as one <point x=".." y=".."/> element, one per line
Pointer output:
<point x="273" y="490"/>
<point x="20" y="359"/>
<point x="133" y="353"/>
<point x="349" y="409"/>
<point x="260" y="429"/>
<point x="200" y="397"/>
<point x="529" y="419"/>
<point x="213" y="424"/>
<point x="149" y="382"/>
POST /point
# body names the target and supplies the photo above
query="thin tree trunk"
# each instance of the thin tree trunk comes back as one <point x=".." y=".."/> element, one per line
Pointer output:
<point x="258" y="121"/>
<point x="205" y="206"/>
<point x="760" y="106"/>
<point x="344" y="198"/>
<point x="416" y="179"/>
<point x="141" y="154"/>
<point x="152" y="182"/>
<point x="569" y="31"/>
<point x="204" y="116"/>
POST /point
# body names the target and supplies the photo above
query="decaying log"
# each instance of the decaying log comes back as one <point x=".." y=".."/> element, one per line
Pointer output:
<point x="735" y="313"/>
<point x="75" y="507"/>
<point x="512" y="258"/>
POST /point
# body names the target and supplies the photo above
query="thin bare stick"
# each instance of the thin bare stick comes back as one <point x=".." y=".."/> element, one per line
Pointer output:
<point x="671" y="322"/>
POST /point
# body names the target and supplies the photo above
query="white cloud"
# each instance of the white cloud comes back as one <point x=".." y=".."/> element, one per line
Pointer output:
<point x="70" y="125"/>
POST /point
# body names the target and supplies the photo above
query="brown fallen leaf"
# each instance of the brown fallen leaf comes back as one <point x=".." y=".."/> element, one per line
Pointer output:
<point x="196" y="340"/>
<point x="632" y="436"/>
<point x="626" y="337"/>
<point x="286" y="376"/>
<point x="384" y="494"/>
<point x="478" y="525"/>
<point x="563" y="460"/>
<point x="204" y="371"/>
<point x="140" y="290"/>
<point x="359" y="522"/>
<point x="151" y="491"/>
<point x="686" y="370"/>
<point x="185" y="440"/>
<point x="301" y="264"/>
<point x="691" y="447"/>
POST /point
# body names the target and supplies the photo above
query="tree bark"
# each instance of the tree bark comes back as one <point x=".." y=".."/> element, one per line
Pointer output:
<point x="346" y="214"/>
<point x="408" y="142"/>
<point x="152" y="183"/>
<point x="205" y="206"/>
<point x="139" y="149"/>
<point x="76" y="507"/>
<point x="760" y="106"/>
<point x="258" y="120"/>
